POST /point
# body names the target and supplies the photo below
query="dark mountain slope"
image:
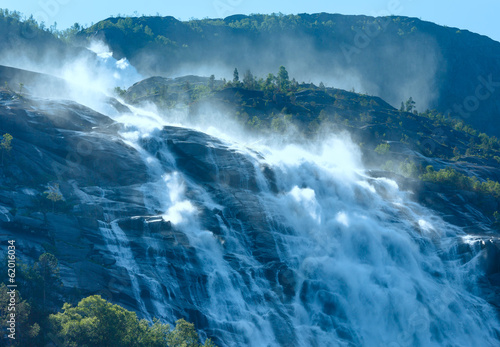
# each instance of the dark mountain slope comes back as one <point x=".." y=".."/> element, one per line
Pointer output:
<point x="392" y="57"/>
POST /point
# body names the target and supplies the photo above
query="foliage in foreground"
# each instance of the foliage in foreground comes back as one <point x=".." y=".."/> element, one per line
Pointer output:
<point x="96" y="322"/>
<point x="92" y="322"/>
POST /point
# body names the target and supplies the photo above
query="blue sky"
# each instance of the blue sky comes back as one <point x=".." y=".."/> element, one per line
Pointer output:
<point x="478" y="16"/>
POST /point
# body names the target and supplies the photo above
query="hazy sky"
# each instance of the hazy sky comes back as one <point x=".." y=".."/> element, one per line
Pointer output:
<point x="479" y="16"/>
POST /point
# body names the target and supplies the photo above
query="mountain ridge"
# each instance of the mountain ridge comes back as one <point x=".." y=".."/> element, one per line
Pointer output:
<point x="439" y="67"/>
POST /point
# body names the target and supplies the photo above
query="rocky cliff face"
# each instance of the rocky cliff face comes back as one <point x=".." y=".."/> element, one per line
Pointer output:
<point x="256" y="245"/>
<point x="98" y="175"/>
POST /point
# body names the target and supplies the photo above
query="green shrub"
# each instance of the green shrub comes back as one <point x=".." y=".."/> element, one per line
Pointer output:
<point x="96" y="322"/>
<point x="454" y="178"/>
<point x="383" y="148"/>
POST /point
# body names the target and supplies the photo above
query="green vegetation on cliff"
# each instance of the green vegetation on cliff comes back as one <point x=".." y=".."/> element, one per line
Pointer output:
<point x="92" y="322"/>
<point x="403" y="141"/>
<point x="453" y="178"/>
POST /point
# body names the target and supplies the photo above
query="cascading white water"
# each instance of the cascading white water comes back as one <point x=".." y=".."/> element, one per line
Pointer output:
<point x="319" y="255"/>
<point x="328" y="257"/>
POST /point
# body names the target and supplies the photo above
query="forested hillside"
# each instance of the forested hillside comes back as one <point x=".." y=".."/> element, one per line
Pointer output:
<point x="391" y="57"/>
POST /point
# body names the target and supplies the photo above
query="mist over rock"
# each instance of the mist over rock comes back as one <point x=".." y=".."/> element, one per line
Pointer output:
<point x="178" y="223"/>
<point x="391" y="57"/>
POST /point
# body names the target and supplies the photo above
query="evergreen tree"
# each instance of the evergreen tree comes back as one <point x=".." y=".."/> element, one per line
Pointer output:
<point x="283" y="79"/>
<point x="25" y="332"/>
<point x="410" y="105"/>
<point x="236" y="76"/>
<point x="211" y="82"/>
<point x="41" y="287"/>
<point x="48" y="269"/>
<point x="248" y="80"/>
<point x="269" y="83"/>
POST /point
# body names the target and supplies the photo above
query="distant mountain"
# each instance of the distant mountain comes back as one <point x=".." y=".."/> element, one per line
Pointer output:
<point x="444" y="68"/>
<point x="25" y="43"/>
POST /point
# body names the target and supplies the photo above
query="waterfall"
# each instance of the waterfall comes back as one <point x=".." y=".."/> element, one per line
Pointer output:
<point x="119" y="246"/>
<point x="295" y="246"/>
